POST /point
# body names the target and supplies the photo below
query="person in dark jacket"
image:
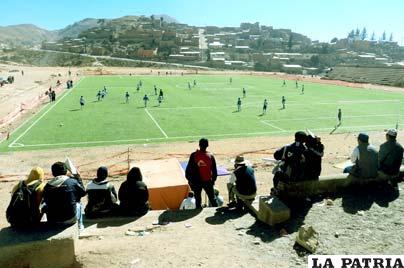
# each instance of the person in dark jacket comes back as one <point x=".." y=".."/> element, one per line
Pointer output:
<point x="201" y="173"/>
<point x="242" y="185"/>
<point x="390" y="154"/>
<point x="313" y="155"/>
<point x="102" y="197"/>
<point x="133" y="194"/>
<point x="293" y="159"/>
<point x="62" y="196"/>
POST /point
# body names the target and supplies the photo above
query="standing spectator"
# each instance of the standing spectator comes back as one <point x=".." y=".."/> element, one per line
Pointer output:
<point x="242" y="186"/>
<point x="201" y="173"/>
<point x="364" y="159"/>
<point x="390" y="154"/>
<point x="53" y="95"/>
<point x="62" y="196"/>
<point x="133" y="194"/>
<point x="102" y="197"/>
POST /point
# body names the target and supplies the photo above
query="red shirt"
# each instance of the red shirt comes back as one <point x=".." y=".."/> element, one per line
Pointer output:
<point x="204" y="162"/>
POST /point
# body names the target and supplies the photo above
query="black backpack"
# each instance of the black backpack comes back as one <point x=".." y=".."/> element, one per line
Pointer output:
<point x="21" y="211"/>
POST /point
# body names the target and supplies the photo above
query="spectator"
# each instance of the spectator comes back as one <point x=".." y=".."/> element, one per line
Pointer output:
<point x="242" y="185"/>
<point x="364" y="159"/>
<point x="313" y="155"/>
<point x="62" y="196"/>
<point x="189" y="202"/>
<point x="390" y="154"/>
<point x="201" y="173"/>
<point x="35" y="185"/>
<point x="293" y="159"/>
<point x="133" y="194"/>
<point x="102" y="197"/>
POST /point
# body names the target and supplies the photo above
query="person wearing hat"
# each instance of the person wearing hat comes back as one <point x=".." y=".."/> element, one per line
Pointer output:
<point x="293" y="159"/>
<point x="62" y="196"/>
<point x="364" y="159"/>
<point x="241" y="185"/>
<point x="390" y="154"/>
<point x="201" y="173"/>
<point x="313" y="156"/>
<point x="101" y="194"/>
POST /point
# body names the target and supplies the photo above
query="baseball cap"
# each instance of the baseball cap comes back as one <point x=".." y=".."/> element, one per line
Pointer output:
<point x="392" y="132"/>
<point x="363" y="137"/>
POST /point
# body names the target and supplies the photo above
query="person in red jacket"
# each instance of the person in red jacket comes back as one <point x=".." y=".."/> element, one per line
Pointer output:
<point x="201" y="173"/>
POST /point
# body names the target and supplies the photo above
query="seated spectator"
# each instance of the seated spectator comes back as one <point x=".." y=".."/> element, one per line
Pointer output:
<point x="364" y="159"/>
<point x="189" y="202"/>
<point x="133" y="194"/>
<point x="241" y="185"/>
<point x="292" y="156"/>
<point x="62" y="196"/>
<point x="23" y="210"/>
<point x="313" y="155"/>
<point x="102" y="197"/>
<point x="390" y="154"/>
<point x="219" y="199"/>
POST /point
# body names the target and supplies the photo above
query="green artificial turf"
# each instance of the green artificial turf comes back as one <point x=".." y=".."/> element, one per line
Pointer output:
<point x="208" y="109"/>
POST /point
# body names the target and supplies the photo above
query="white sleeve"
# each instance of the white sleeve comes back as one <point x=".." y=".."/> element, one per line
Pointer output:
<point x="232" y="178"/>
<point x="355" y="155"/>
<point x="182" y="204"/>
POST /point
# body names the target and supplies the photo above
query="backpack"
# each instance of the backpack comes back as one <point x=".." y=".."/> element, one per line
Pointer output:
<point x="21" y="211"/>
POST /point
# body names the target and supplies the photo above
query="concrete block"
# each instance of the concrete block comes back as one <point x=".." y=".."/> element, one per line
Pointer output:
<point x="40" y="247"/>
<point x="272" y="210"/>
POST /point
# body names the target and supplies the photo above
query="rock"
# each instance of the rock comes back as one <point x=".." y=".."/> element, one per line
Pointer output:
<point x="307" y="237"/>
<point x="360" y="213"/>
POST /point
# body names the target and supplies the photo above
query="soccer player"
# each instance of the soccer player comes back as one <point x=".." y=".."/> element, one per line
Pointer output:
<point x="239" y="105"/>
<point x="231" y="80"/>
<point x="140" y="83"/>
<point x="160" y="99"/>
<point x="284" y="83"/>
<point x="155" y="90"/>
<point x="189" y="85"/>
<point x="302" y="89"/>
<point x="339" y="115"/>
<point x="161" y="94"/>
<point x="264" y="107"/>
<point x="145" y="99"/>
<point x="137" y="87"/>
<point x="127" y="97"/>
<point x="82" y="102"/>
<point x="244" y="93"/>
<point x="283" y="102"/>
<point x="98" y="95"/>
<point x="297" y="85"/>
<point x="194" y="83"/>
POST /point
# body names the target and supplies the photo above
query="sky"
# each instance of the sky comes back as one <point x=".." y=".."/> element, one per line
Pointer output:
<point x="318" y="19"/>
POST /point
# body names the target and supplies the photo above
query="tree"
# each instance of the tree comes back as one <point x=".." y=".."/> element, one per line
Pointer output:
<point x="290" y="42"/>
<point x="384" y="36"/>
<point x="363" y="34"/>
<point x="373" y="38"/>
<point x="334" y="40"/>
<point x="161" y="21"/>
<point x="351" y="34"/>
<point x="391" y="37"/>
<point x="315" y="60"/>
<point x="152" y="17"/>
<point x="357" y="32"/>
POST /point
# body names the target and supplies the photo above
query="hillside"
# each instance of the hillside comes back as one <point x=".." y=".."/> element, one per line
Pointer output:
<point x="25" y="34"/>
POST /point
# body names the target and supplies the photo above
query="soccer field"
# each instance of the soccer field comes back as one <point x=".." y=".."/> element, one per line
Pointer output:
<point x="208" y="109"/>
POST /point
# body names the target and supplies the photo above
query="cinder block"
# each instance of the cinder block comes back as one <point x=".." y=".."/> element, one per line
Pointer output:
<point x="41" y="247"/>
<point x="272" y="210"/>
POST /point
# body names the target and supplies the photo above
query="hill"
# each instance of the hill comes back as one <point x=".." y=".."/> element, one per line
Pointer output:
<point x="25" y="34"/>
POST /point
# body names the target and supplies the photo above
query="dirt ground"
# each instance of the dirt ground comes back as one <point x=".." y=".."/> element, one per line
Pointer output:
<point x="356" y="223"/>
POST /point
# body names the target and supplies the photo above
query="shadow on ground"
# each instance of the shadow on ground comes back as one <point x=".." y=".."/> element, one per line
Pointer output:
<point x="177" y="215"/>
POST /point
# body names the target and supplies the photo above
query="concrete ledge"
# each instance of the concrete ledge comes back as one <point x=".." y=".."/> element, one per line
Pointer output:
<point x="40" y="247"/>
<point x="330" y="184"/>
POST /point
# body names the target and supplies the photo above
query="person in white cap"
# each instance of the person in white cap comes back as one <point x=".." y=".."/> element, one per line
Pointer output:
<point x="390" y="154"/>
<point x="242" y="185"/>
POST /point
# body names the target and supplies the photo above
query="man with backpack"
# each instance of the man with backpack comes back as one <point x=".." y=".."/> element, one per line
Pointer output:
<point x="62" y="196"/>
<point x="23" y="210"/>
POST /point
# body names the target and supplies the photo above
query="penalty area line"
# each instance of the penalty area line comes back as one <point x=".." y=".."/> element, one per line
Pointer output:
<point x="155" y="122"/>
<point x="271" y="125"/>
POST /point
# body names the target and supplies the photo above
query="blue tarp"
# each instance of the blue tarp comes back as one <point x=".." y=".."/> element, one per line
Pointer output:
<point x="221" y="171"/>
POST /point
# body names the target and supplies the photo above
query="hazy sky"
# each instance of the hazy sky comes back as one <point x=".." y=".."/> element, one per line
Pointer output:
<point x="318" y="19"/>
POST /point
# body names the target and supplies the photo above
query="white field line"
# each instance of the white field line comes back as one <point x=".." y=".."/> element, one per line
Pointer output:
<point x="367" y="101"/>
<point x="155" y="122"/>
<point x="332" y="117"/>
<point x="353" y="128"/>
<point x="39" y="118"/>
<point x="266" y="123"/>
